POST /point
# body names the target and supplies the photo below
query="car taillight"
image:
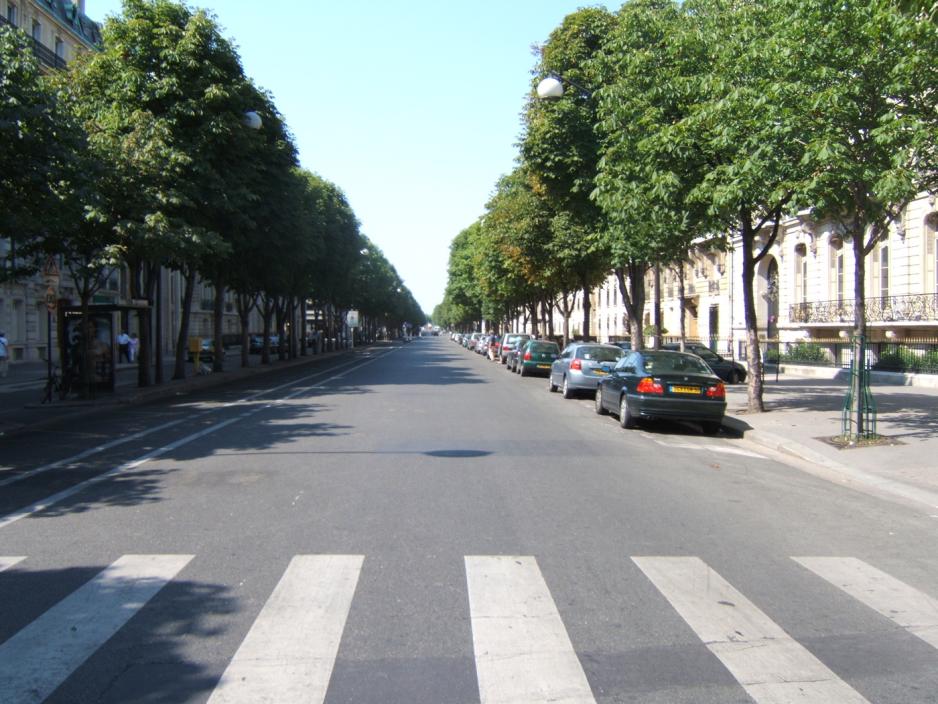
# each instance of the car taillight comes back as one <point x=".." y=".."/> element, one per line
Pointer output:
<point x="649" y="386"/>
<point x="527" y="356"/>
<point x="576" y="364"/>
<point x="717" y="391"/>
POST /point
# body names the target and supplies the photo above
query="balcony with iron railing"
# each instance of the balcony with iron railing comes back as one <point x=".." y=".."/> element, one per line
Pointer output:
<point x="886" y="309"/>
<point x="45" y="55"/>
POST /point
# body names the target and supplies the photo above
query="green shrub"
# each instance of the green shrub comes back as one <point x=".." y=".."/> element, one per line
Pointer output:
<point x="891" y="361"/>
<point x="928" y="362"/>
<point x="806" y="352"/>
<point x="772" y="356"/>
<point x="649" y="330"/>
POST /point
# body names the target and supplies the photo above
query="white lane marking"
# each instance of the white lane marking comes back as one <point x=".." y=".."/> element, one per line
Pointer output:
<point x="522" y="651"/>
<point x="8" y="562"/>
<point x="143" y="433"/>
<point x="915" y="611"/>
<point x="770" y="665"/>
<point x="290" y="651"/>
<point x="35" y="661"/>
<point x="712" y="448"/>
<point x="49" y="501"/>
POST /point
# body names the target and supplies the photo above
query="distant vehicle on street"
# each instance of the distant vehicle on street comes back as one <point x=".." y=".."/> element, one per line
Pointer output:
<point x="729" y="370"/>
<point x="535" y="357"/>
<point x="511" y="342"/>
<point x="581" y="366"/>
<point x="662" y="384"/>
<point x="256" y="343"/>
<point x="206" y="350"/>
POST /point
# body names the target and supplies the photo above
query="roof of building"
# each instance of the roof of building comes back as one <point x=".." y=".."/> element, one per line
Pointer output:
<point x="70" y="16"/>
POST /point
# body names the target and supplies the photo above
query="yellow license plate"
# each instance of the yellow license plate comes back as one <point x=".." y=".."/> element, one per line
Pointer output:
<point x="686" y="390"/>
<point x="543" y="366"/>
<point x="600" y="372"/>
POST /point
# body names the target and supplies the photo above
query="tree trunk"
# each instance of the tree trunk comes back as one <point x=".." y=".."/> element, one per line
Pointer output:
<point x="567" y="309"/>
<point x="656" y="344"/>
<point x="633" y="295"/>
<point x="218" y="355"/>
<point x="859" y="324"/>
<point x="158" y="332"/>
<point x="303" y="346"/>
<point x="267" y="312"/>
<point x="753" y="351"/>
<point x="680" y="284"/>
<point x="182" y="341"/>
<point x="587" y="311"/>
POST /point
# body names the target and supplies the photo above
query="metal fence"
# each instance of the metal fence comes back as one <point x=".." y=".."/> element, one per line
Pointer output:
<point x="918" y="355"/>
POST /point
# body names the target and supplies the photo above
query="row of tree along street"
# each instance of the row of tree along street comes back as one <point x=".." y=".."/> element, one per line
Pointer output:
<point x="140" y="155"/>
<point x="694" y="124"/>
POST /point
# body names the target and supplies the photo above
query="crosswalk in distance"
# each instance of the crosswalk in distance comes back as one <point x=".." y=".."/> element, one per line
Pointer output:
<point x="521" y="647"/>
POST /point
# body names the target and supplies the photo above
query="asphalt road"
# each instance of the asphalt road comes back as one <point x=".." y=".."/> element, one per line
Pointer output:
<point x="414" y="524"/>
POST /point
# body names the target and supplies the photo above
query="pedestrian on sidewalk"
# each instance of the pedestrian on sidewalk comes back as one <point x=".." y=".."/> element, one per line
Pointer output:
<point x="4" y="355"/>
<point x="132" y="346"/>
<point x="123" y="347"/>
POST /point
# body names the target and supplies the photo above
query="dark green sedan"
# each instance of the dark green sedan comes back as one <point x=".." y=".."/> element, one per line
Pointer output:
<point x="652" y="385"/>
<point x="535" y="357"/>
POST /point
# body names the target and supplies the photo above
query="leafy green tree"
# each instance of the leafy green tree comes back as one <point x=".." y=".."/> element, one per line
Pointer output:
<point x="560" y="149"/>
<point x="163" y="105"/>
<point x="645" y="177"/>
<point x="873" y="119"/>
<point x="37" y="152"/>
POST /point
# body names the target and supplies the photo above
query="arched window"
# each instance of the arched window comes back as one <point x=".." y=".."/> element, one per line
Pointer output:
<point x="931" y="254"/>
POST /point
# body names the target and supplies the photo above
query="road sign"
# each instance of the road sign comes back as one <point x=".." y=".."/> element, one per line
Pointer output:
<point x="351" y="318"/>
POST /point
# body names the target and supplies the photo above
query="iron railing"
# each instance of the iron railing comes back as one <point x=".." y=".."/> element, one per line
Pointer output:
<point x="884" y="309"/>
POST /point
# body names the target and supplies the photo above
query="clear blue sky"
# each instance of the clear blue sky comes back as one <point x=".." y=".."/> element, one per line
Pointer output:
<point x="412" y="107"/>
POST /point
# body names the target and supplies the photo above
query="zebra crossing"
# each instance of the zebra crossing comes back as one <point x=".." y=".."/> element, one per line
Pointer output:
<point x="521" y="647"/>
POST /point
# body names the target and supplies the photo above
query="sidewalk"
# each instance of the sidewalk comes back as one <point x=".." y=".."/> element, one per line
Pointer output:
<point x="803" y="411"/>
<point x="21" y="391"/>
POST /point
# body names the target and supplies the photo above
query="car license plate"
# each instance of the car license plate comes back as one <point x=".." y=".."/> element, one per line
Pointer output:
<point x="543" y="366"/>
<point x="695" y="390"/>
<point x="599" y="372"/>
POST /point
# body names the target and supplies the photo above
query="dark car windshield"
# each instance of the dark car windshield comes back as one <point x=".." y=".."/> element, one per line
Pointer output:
<point x="599" y="354"/>
<point x="664" y="363"/>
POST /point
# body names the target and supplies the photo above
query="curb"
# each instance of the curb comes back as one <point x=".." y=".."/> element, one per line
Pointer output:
<point x="921" y="497"/>
<point x="180" y="387"/>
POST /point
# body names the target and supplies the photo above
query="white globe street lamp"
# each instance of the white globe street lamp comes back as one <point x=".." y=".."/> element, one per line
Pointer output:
<point x="550" y="87"/>
<point x="252" y="120"/>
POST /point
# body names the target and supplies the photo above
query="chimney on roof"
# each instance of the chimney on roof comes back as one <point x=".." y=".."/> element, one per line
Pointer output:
<point x="81" y="6"/>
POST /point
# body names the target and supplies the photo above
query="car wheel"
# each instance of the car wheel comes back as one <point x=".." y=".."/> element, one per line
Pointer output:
<point x="523" y="370"/>
<point x="625" y="417"/>
<point x="711" y="427"/>
<point x="733" y="377"/>
<point x="551" y="386"/>
<point x="600" y="408"/>
<point x="567" y="391"/>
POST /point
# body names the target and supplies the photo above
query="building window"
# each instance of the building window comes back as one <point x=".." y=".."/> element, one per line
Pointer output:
<point x="11" y="13"/>
<point x="60" y="48"/>
<point x="37" y="31"/>
<point x="884" y="271"/>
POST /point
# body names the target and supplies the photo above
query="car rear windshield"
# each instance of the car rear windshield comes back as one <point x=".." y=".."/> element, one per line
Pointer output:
<point x="599" y="354"/>
<point x="664" y="363"/>
<point x="544" y="347"/>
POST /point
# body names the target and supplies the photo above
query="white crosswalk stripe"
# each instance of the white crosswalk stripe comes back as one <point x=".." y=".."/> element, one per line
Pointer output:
<point x="908" y="607"/>
<point x="522" y="650"/>
<point x="289" y="653"/>
<point x="523" y="654"/>
<point x="41" y="656"/>
<point x="8" y="562"/>
<point x="770" y="665"/>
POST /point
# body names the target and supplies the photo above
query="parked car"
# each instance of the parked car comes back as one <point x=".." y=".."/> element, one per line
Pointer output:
<point x="256" y="343"/>
<point x="580" y="367"/>
<point x="729" y="370"/>
<point x="510" y="342"/>
<point x="623" y="344"/>
<point x="663" y="384"/>
<point x="535" y="357"/>
<point x="469" y="341"/>
<point x="206" y="350"/>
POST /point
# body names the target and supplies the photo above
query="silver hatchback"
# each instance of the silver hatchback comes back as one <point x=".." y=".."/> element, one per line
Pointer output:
<point x="580" y="367"/>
